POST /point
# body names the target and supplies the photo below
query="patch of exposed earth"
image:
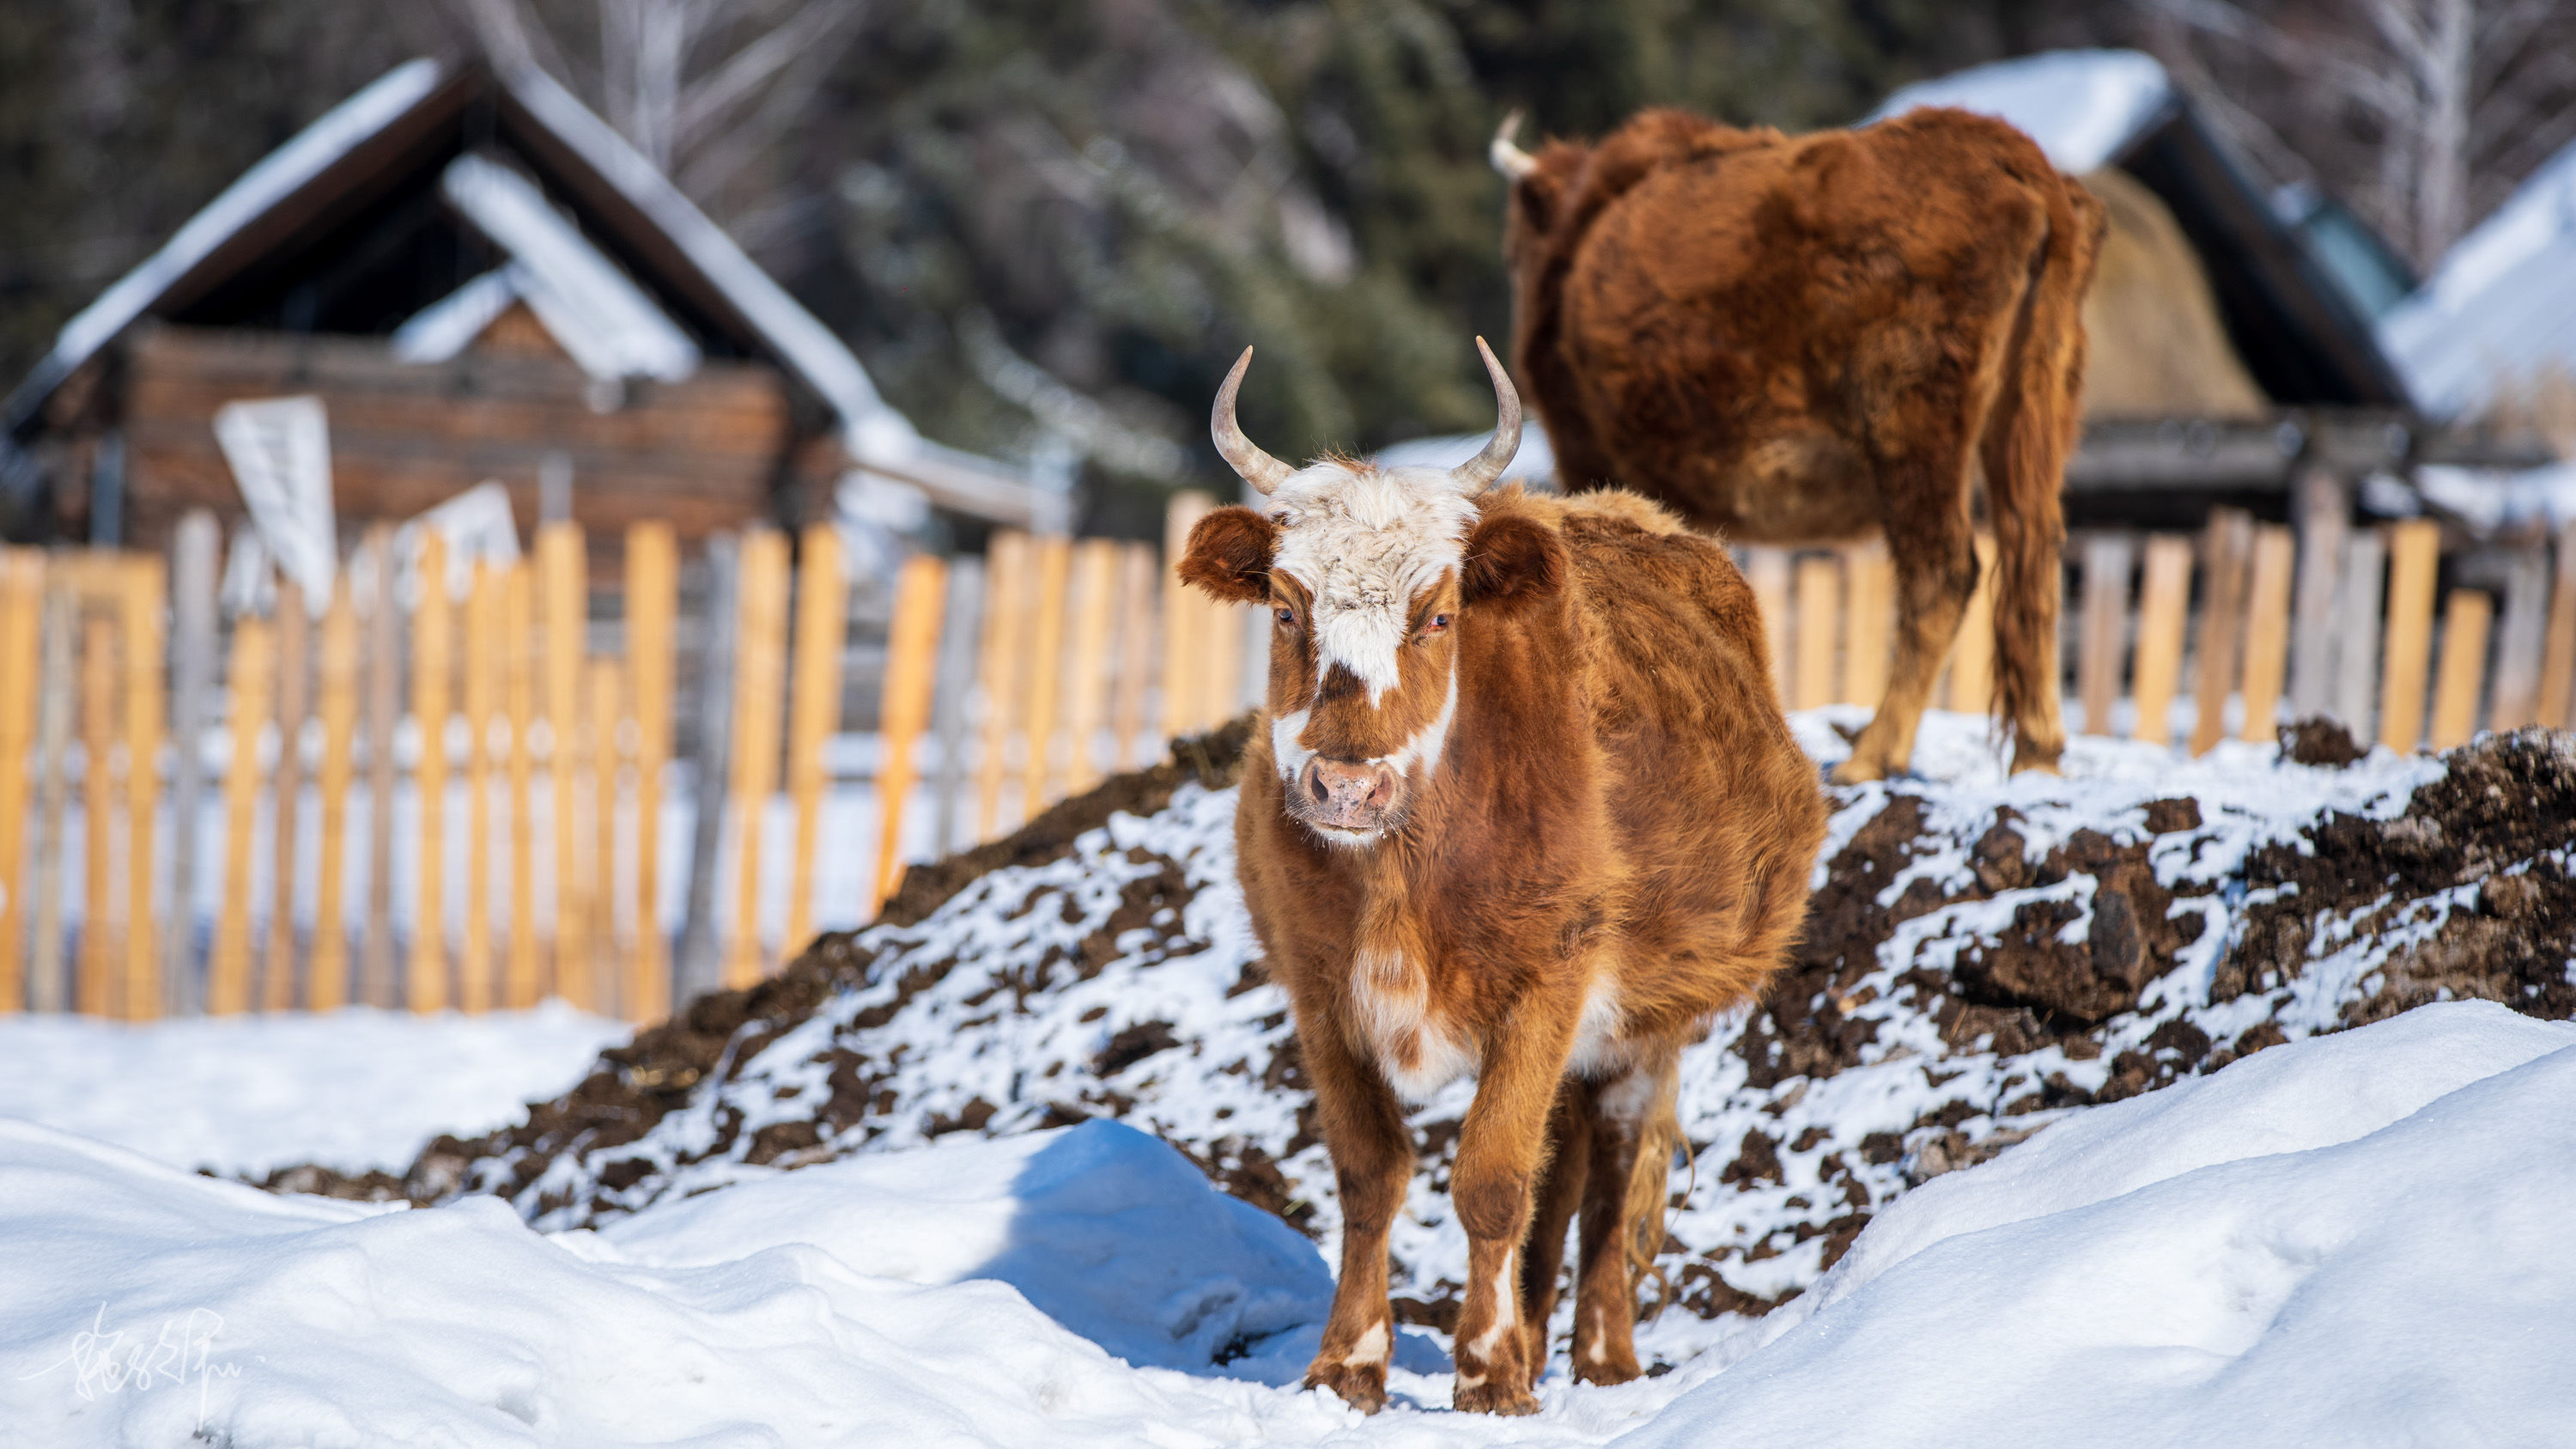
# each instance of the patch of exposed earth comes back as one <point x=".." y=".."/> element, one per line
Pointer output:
<point x="1984" y="956"/>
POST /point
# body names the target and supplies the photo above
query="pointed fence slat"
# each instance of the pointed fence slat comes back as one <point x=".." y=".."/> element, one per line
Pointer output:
<point x="822" y="624"/>
<point x="1187" y="618"/>
<point x="961" y="637"/>
<point x="22" y="603"/>
<point x="2227" y="554"/>
<point x="327" y="979"/>
<point x="426" y="975"/>
<point x="759" y="669"/>
<point x="146" y="587"/>
<point x="2464" y="663"/>
<point x="1046" y="672"/>
<point x="2163" y="600"/>
<point x="604" y="692"/>
<point x="482" y="657"/>
<point x="277" y="971"/>
<point x="2413" y="556"/>
<point x="2322" y="507"/>
<point x="1006" y="620"/>
<point x="194" y="657"/>
<point x="563" y="605"/>
<point x="47" y="989"/>
<point x="384" y="712"/>
<point x="912" y="652"/>
<point x="99" y="979"/>
<point x="1095" y="589"/>
<point x="2356" y="670"/>
<point x="2109" y="558"/>
<point x="2557" y="706"/>
<point x="1812" y="681"/>
<point x="652" y="603"/>
<point x="248" y="682"/>
<point x="524" y="972"/>
<point x="2518" y="639"/>
<point x="2267" y="629"/>
<point x="1136" y="594"/>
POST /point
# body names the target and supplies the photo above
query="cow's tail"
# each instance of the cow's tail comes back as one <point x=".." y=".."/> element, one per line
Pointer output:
<point x="2028" y="436"/>
<point x="1659" y="1133"/>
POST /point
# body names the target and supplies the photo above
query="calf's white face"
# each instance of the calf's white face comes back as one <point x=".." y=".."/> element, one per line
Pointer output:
<point x="1365" y="571"/>
<point x="1366" y="545"/>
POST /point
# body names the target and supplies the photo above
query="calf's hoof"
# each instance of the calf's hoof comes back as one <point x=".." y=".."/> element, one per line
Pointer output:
<point x="1363" y="1387"/>
<point x="1616" y="1368"/>
<point x="1859" y="770"/>
<point x="1500" y="1395"/>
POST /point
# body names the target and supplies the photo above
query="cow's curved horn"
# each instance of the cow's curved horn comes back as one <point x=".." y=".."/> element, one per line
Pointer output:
<point x="1263" y="472"/>
<point x="1507" y="157"/>
<point x="1481" y="470"/>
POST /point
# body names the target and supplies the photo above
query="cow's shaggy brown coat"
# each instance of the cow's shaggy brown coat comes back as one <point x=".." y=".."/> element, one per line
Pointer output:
<point x="1807" y="338"/>
<point x="1598" y="843"/>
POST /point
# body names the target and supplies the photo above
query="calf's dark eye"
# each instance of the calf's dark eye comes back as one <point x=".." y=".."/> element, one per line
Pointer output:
<point x="1287" y="617"/>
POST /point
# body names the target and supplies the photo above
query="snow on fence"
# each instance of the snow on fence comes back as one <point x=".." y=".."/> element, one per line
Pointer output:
<point x="2265" y="628"/>
<point x="319" y="845"/>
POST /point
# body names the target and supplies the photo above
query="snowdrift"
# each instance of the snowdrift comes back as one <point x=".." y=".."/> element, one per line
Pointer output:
<point x="2351" y="1240"/>
<point x="1986" y="956"/>
<point x="353" y="1089"/>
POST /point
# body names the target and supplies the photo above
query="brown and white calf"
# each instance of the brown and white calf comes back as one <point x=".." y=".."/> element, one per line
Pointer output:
<point x="1523" y="807"/>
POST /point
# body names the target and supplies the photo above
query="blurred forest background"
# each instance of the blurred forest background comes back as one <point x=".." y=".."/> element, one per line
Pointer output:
<point x="1046" y="225"/>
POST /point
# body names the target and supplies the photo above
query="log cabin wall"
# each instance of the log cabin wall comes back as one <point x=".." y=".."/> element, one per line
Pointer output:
<point x="705" y="454"/>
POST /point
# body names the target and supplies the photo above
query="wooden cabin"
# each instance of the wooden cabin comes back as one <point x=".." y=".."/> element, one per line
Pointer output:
<point x="480" y="280"/>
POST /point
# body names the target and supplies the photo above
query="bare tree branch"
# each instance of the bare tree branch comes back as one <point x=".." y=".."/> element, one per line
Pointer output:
<point x="802" y="37"/>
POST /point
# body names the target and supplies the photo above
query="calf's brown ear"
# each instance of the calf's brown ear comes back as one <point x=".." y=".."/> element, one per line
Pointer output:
<point x="1513" y="561"/>
<point x="1229" y="555"/>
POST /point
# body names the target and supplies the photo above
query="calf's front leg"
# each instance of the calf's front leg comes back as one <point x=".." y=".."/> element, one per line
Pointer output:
<point x="1372" y="1149"/>
<point x="1500" y="1148"/>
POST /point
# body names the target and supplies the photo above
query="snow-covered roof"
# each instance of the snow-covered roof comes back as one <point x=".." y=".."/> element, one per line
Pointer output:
<point x="873" y="430"/>
<point x="590" y="306"/>
<point x="2083" y="107"/>
<point x="590" y="298"/>
<point x="334" y="134"/>
<point x="2500" y="309"/>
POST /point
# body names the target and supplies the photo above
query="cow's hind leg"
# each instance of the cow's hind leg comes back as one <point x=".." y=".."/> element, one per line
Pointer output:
<point x="1372" y="1151"/>
<point x="1560" y="1189"/>
<point x="1936" y="571"/>
<point x="1633" y="1135"/>
<point x="1500" y="1148"/>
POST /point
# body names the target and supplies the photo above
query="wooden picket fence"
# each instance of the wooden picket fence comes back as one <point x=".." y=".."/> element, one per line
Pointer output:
<point x="2344" y="626"/>
<point x="537" y="736"/>
<point x="513" y="721"/>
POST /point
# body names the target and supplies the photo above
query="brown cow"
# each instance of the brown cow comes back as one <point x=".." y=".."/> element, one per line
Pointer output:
<point x="1807" y="338"/>
<point x="1523" y="805"/>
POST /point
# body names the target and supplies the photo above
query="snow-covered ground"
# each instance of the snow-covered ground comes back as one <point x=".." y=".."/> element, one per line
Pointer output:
<point x="353" y="1089"/>
<point x="2343" y="1237"/>
<point x="2352" y="1240"/>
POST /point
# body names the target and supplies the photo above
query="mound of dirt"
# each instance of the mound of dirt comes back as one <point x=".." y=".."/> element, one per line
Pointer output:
<point x="635" y="1086"/>
<point x="1983" y="957"/>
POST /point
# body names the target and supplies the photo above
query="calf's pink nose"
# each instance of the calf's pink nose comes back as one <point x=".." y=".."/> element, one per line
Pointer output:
<point x="1351" y="796"/>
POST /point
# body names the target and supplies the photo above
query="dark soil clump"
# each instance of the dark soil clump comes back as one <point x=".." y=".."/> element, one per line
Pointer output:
<point x="2317" y="741"/>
